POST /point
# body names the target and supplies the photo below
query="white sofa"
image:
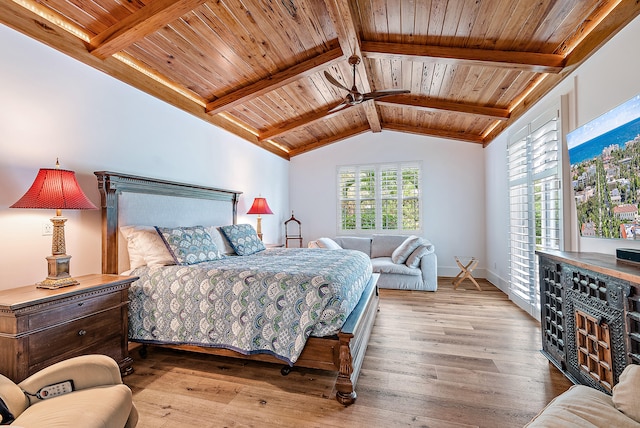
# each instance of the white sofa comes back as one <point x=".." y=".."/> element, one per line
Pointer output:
<point x="381" y="248"/>
<point x="582" y="406"/>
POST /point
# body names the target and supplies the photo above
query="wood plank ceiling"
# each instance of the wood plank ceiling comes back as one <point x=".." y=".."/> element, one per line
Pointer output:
<point x="256" y="67"/>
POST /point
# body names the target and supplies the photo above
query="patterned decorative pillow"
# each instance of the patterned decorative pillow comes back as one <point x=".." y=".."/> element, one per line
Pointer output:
<point x="243" y="238"/>
<point x="189" y="245"/>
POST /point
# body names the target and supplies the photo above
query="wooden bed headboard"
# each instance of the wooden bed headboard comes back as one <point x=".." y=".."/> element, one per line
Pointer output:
<point x="132" y="200"/>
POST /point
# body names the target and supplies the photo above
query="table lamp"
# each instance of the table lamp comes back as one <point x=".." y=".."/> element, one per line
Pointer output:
<point x="259" y="206"/>
<point x="55" y="188"/>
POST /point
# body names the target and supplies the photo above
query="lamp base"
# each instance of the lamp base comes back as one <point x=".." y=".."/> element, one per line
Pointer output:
<point x="58" y="273"/>
<point x="53" y="284"/>
<point x="259" y="227"/>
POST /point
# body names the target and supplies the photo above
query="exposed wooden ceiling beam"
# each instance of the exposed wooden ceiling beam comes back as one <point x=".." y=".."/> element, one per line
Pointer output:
<point x="139" y="24"/>
<point x="527" y="61"/>
<point x="329" y="140"/>
<point x="371" y="111"/>
<point x="348" y="34"/>
<point x="300" y="122"/>
<point x="394" y="100"/>
<point x="433" y="132"/>
<point x="428" y="104"/>
<point x="349" y="39"/>
<point x="276" y="81"/>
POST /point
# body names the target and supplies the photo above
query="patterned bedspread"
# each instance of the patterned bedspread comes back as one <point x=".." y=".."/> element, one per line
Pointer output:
<point x="269" y="302"/>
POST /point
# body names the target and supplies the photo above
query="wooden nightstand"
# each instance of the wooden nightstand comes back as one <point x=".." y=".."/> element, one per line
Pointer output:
<point x="39" y="327"/>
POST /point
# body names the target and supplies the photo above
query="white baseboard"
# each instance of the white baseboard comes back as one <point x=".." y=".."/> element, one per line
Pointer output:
<point x="501" y="283"/>
<point x="453" y="271"/>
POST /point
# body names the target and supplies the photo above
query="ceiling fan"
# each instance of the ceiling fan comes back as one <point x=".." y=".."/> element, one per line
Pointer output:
<point x="355" y="97"/>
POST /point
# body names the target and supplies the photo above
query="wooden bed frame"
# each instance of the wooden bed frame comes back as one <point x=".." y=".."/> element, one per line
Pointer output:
<point x="343" y="352"/>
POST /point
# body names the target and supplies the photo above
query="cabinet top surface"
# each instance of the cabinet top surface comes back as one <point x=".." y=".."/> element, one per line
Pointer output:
<point x="16" y="298"/>
<point x="603" y="263"/>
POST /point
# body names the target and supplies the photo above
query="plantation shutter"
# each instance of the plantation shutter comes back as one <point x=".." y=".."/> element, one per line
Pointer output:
<point x="535" y="205"/>
<point x="347" y="193"/>
<point x="380" y="198"/>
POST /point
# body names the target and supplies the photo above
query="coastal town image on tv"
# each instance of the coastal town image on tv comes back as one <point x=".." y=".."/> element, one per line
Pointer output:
<point x="605" y="173"/>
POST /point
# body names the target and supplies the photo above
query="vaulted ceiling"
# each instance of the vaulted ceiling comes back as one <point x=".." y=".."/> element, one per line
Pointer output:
<point x="258" y="68"/>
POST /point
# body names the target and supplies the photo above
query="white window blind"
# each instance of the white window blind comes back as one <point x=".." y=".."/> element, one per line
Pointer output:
<point x="535" y="205"/>
<point x="380" y="198"/>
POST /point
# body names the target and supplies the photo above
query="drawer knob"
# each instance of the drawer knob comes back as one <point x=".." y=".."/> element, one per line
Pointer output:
<point x="82" y="332"/>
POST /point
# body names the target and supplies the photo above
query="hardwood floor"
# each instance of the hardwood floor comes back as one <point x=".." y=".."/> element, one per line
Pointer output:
<point x="460" y="358"/>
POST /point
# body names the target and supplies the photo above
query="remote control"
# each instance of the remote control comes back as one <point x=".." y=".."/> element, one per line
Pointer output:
<point x="55" y="390"/>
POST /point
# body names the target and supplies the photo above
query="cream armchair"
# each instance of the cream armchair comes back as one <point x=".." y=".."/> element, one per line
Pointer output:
<point x="99" y="398"/>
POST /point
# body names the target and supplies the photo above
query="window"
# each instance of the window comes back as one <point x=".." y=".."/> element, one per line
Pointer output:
<point x="380" y="198"/>
<point x="535" y="205"/>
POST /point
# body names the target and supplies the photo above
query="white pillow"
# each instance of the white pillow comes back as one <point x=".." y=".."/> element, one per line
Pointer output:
<point x="220" y="240"/>
<point x="404" y="250"/>
<point x="328" y="244"/>
<point x="146" y="247"/>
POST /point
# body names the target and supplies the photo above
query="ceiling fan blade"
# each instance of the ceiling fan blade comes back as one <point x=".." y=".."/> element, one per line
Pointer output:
<point x="380" y="94"/>
<point x="334" y="82"/>
<point x="340" y="106"/>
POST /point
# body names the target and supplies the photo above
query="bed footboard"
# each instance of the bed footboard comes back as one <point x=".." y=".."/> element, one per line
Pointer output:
<point x="353" y="339"/>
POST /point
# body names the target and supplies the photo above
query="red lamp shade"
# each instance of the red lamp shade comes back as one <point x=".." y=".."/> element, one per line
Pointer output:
<point x="259" y="206"/>
<point x="55" y="189"/>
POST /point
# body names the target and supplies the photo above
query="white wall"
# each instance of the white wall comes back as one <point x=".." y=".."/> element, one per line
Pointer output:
<point x="52" y="106"/>
<point x="453" y="189"/>
<point x="607" y="79"/>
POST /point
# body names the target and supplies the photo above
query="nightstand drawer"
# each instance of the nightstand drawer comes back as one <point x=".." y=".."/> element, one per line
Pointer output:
<point x="73" y="310"/>
<point x="80" y="335"/>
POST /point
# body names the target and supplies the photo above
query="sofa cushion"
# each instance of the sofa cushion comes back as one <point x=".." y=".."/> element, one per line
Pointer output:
<point x="386" y="265"/>
<point x="355" y="243"/>
<point x="579" y="407"/>
<point x="626" y="392"/>
<point x="413" y="260"/>
<point x="104" y="407"/>
<point x="384" y="245"/>
<point x="402" y="253"/>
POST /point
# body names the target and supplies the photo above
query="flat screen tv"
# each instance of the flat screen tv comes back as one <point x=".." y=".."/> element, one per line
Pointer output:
<point x="605" y="173"/>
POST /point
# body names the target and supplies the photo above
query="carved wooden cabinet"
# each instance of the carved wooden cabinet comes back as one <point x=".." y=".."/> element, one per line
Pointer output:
<point x="589" y="313"/>
<point x="39" y="327"/>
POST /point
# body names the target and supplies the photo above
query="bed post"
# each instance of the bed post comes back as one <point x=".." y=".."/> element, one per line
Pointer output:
<point x="109" y="207"/>
<point x="345" y="393"/>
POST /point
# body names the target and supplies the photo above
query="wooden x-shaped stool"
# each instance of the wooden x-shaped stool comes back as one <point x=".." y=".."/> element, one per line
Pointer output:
<point x="465" y="272"/>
